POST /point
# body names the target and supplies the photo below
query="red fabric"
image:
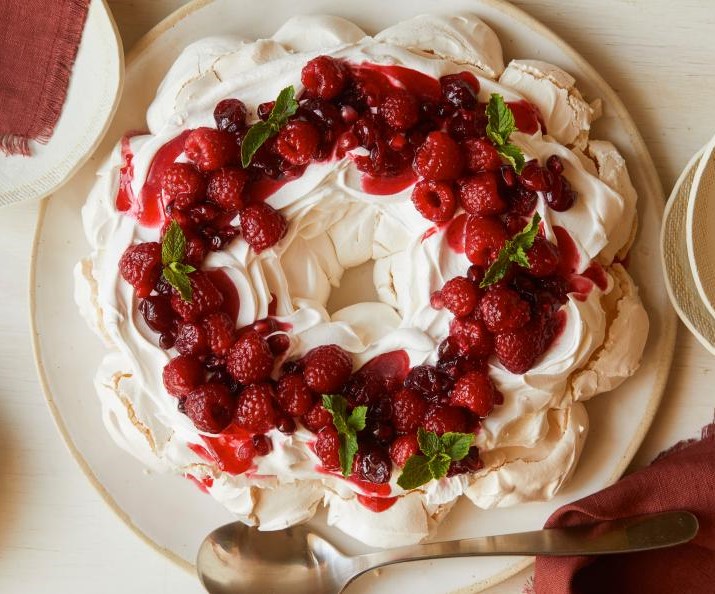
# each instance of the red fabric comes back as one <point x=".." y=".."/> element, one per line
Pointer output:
<point x="38" y="46"/>
<point x="681" y="478"/>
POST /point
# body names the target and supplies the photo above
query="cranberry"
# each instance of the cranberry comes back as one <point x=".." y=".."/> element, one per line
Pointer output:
<point x="264" y="109"/>
<point x="458" y="92"/>
<point x="554" y="164"/>
<point x="292" y="367"/>
<point x="230" y="115"/>
<point x="560" y="197"/>
<point x="383" y="433"/>
<point x="470" y="463"/>
<point x="364" y="387"/>
<point x="508" y="176"/>
<point x="368" y="130"/>
<point x="373" y="464"/>
<point x="523" y="201"/>
<point x="380" y="410"/>
<point x="167" y="340"/>
<point x="261" y="444"/>
<point x="536" y="178"/>
<point x="464" y="124"/>
<point x="278" y="343"/>
<point x="428" y="381"/>
<point x="285" y="424"/>
<point x="157" y="313"/>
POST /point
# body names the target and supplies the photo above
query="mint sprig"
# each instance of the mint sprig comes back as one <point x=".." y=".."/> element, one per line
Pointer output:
<point x="514" y="250"/>
<point x="500" y="125"/>
<point x="437" y="454"/>
<point x="348" y="426"/>
<point x="173" y="251"/>
<point x="285" y="106"/>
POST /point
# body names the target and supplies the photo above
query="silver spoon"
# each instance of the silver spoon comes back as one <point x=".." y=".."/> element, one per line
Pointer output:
<point x="237" y="559"/>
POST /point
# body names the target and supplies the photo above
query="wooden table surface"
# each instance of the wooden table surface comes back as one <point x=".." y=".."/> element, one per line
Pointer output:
<point x="57" y="535"/>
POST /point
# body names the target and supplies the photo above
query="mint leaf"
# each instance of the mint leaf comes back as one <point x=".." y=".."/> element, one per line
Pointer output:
<point x="514" y="250"/>
<point x="456" y="445"/>
<point x="173" y="246"/>
<point x="347" y="427"/>
<point x="255" y="137"/>
<point x="500" y="125"/>
<point x="285" y="106"/>
<point x="429" y="442"/>
<point x="500" y="120"/>
<point x="513" y="155"/>
<point x="415" y="473"/>
<point x="356" y="420"/>
<point x="439" y="465"/>
<point x="180" y="281"/>
<point x="173" y="251"/>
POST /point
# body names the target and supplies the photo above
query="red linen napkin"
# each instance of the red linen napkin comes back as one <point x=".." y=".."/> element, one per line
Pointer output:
<point x="38" y="46"/>
<point x="681" y="478"/>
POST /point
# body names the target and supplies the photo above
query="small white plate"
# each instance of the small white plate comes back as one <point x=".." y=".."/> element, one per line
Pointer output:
<point x="168" y="511"/>
<point x="700" y="228"/>
<point x="679" y="279"/>
<point x="92" y="98"/>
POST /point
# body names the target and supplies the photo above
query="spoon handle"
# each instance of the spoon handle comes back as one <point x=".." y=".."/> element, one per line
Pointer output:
<point x="640" y="533"/>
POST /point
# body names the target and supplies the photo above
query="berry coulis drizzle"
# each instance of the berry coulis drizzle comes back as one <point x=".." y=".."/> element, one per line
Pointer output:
<point x="418" y="131"/>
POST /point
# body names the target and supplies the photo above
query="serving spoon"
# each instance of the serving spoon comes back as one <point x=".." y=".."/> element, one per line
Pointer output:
<point x="238" y="559"/>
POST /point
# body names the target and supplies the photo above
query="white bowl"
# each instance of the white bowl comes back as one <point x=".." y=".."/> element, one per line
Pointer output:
<point x="679" y="279"/>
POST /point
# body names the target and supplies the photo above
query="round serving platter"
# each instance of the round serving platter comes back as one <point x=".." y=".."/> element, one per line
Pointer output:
<point x="170" y="513"/>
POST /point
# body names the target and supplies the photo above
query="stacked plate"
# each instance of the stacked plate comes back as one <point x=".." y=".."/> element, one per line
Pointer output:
<point x="688" y="246"/>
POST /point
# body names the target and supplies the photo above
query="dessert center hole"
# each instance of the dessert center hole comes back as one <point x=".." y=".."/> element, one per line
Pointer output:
<point x="356" y="286"/>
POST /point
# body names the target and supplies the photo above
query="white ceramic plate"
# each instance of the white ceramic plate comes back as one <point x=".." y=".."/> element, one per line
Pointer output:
<point x="699" y="227"/>
<point x="168" y="511"/>
<point x="92" y="97"/>
<point x="679" y="279"/>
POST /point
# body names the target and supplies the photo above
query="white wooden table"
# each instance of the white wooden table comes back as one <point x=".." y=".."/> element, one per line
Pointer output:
<point x="57" y="535"/>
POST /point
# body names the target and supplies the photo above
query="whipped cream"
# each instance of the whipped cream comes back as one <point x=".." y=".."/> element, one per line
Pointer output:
<point x="531" y="443"/>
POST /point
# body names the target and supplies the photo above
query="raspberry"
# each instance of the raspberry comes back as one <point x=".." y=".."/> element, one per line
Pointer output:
<point x="399" y="110"/>
<point x="297" y="142"/>
<point x="543" y="257"/>
<point x="294" y="395"/>
<point x="210" y="407"/>
<point x="250" y="360"/>
<point x="484" y="238"/>
<point x="140" y="266"/>
<point x="182" y="374"/>
<point x="408" y="410"/>
<point x="157" y="313"/>
<point x="255" y="410"/>
<point x="205" y="298"/>
<point x="327" y="368"/>
<point x="225" y="187"/>
<point x="191" y="339"/>
<point x="327" y="448"/>
<point x="262" y="226"/>
<point x="474" y="391"/>
<point x="444" y="419"/>
<point x="428" y="381"/>
<point x="364" y="387"/>
<point x="472" y="336"/>
<point x="439" y="157"/>
<point x="434" y="200"/>
<point x="210" y="149"/>
<point x="459" y="296"/>
<point x="480" y="155"/>
<point x="230" y="115"/>
<point x="182" y="185"/>
<point x="479" y="194"/>
<point x="503" y="309"/>
<point x="373" y="464"/>
<point x="324" y="77"/>
<point x="220" y="332"/>
<point x="317" y="417"/>
<point x="458" y="92"/>
<point x="519" y="349"/>
<point x="403" y="448"/>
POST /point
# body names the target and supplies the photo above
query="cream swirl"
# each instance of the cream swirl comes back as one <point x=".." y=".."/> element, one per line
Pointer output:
<point x="532" y="442"/>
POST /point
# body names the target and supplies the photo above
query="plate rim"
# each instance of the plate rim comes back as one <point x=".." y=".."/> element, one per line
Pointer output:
<point x="694" y="199"/>
<point x="663" y="362"/>
<point x="92" y="148"/>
